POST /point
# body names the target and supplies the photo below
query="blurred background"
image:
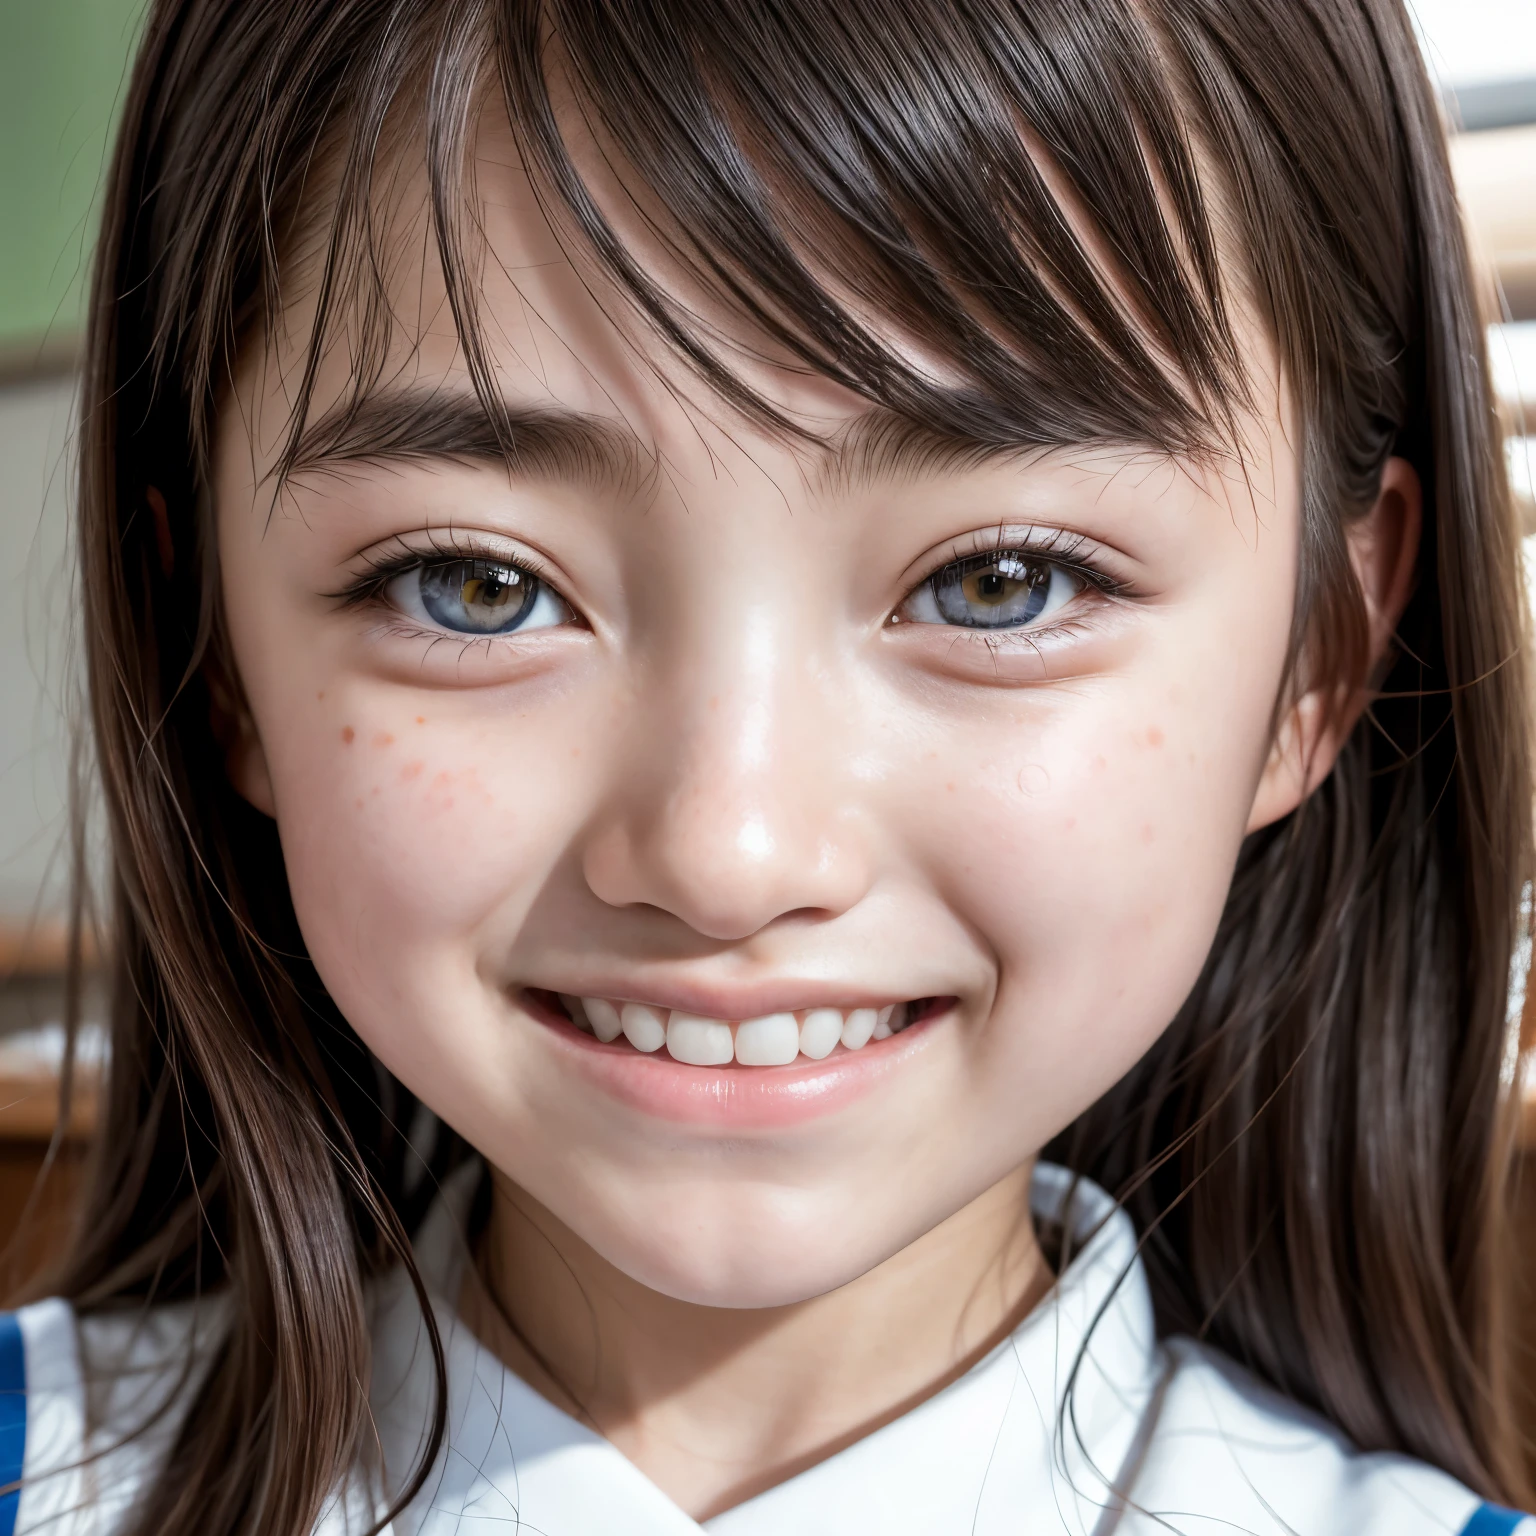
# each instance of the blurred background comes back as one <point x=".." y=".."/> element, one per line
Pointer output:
<point x="62" y="64"/>
<point x="62" y="68"/>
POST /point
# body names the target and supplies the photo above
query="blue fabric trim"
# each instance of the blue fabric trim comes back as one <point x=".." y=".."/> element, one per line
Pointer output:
<point x="13" y="1418"/>
<point x="1487" y="1520"/>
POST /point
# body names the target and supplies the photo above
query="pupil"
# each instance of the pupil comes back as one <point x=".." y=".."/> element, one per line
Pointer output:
<point x="488" y="591"/>
<point x="990" y="587"/>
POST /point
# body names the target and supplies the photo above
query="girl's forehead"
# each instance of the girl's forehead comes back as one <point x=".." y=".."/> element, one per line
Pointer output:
<point x="519" y="308"/>
<point x="552" y="330"/>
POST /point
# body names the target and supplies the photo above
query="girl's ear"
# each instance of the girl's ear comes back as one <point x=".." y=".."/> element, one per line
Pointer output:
<point x="1383" y="548"/>
<point x="229" y="717"/>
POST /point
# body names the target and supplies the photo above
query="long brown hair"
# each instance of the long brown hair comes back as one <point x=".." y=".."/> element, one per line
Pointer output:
<point x="1315" y="1152"/>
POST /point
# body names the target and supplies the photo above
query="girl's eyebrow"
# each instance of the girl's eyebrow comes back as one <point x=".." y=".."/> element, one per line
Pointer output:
<point x="883" y="445"/>
<point x="553" y="442"/>
<point x="547" y="442"/>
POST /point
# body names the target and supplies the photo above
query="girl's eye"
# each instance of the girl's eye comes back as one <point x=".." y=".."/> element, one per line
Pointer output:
<point x="477" y="597"/>
<point x="999" y="590"/>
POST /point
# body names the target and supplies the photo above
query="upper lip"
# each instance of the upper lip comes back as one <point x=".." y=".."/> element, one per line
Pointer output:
<point x="734" y="1002"/>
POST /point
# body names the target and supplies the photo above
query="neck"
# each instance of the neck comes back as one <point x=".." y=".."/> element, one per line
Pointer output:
<point x="716" y="1404"/>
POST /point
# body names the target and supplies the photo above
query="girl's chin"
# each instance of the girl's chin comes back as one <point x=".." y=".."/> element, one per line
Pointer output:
<point x="761" y="1261"/>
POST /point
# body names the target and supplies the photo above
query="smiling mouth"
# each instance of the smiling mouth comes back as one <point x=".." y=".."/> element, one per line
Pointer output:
<point x="774" y="1040"/>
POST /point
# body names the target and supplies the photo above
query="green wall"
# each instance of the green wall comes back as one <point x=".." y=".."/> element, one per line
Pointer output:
<point x="62" y="68"/>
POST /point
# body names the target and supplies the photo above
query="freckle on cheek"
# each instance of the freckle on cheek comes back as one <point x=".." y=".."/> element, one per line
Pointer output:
<point x="348" y="735"/>
<point x="383" y="739"/>
<point x="411" y="771"/>
<point x="421" y="719"/>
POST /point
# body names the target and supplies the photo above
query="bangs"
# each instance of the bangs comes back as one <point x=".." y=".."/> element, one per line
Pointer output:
<point x="1007" y="188"/>
<point x="983" y="217"/>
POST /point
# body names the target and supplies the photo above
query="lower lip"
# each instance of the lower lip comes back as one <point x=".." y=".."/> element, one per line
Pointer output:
<point x="735" y="1097"/>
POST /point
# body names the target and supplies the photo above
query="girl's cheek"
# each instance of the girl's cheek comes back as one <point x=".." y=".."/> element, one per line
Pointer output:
<point x="1093" y="861"/>
<point x="408" y="829"/>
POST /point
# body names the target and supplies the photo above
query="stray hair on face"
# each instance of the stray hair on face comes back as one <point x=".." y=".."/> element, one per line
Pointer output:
<point x="1315" y="1153"/>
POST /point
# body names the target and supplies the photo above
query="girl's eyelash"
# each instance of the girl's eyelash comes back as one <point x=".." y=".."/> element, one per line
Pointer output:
<point x="382" y="566"/>
<point x="397" y="557"/>
<point x="1054" y="546"/>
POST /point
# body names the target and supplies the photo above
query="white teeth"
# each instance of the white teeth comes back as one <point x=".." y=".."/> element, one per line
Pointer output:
<point x="643" y="1027"/>
<point x="857" y="1027"/>
<point x="774" y="1040"/>
<point x="771" y="1041"/>
<point x="604" y="1018"/>
<point x="698" y="1041"/>
<point x="819" y="1034"/>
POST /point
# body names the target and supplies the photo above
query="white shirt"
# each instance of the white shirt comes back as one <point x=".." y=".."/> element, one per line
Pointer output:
<point x="1161" y="1437"/>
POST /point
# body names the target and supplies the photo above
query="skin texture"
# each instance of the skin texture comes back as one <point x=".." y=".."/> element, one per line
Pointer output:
<point x="730" y="779"/>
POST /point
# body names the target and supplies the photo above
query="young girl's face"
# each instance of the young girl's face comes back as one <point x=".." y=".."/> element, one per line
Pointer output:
<point x="680" y="714"/>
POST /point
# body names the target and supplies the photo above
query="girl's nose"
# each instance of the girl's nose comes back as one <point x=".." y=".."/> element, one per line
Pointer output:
<point x="736" y="802"/>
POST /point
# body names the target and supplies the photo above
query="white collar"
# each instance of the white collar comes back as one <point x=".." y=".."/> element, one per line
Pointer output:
<point x="1001" y="1439"/>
